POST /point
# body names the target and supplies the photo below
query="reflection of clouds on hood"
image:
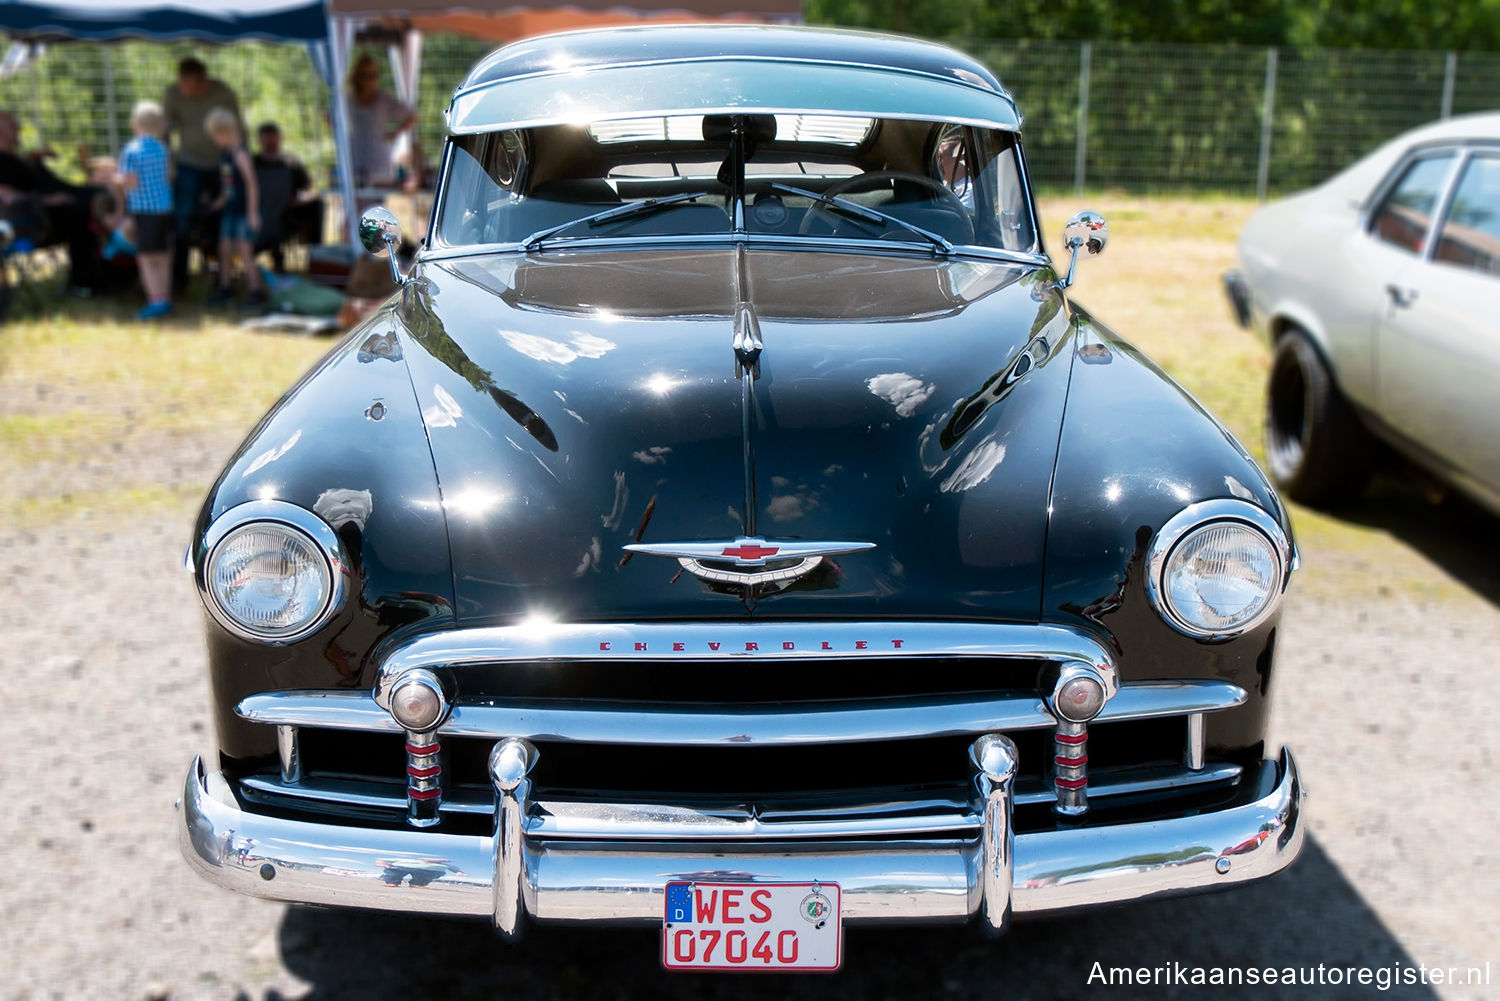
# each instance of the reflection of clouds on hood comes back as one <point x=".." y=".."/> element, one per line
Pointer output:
<point x="590" y="559"/>
<point x="578" y="345"/>
<point x="622" y="498"/>
<point x="271" y="455"/>
<point x="651" y="456"/>
<point x="904" y="392"/>
<point x="341" y="506"/>
<point x="788" y="507"/>
<point x="445" y="412"/>
<point x="976" y="467"/>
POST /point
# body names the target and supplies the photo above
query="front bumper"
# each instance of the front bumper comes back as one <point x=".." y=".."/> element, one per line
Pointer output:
<point x="510" y="876"/>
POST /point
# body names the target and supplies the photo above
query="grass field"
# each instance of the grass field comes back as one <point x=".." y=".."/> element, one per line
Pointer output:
<point x="91" y="401"/>
<point x="94" y="408"/>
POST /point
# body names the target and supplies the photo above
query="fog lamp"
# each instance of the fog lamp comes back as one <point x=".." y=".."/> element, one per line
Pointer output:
<point x="1079" y="698"/>
<point x="418" y="703"/>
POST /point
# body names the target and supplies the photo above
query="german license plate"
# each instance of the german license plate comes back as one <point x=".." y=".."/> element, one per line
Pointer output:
<point x="752" y="926"/>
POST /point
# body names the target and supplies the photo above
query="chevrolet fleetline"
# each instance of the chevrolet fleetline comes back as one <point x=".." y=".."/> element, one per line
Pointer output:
<point x="732" y="525"/>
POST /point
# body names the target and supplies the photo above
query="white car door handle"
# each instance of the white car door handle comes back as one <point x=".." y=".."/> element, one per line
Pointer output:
<point x="1402" y="297"/>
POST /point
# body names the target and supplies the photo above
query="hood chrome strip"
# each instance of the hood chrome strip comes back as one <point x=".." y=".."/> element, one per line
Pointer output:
<point x="747" y="350"/>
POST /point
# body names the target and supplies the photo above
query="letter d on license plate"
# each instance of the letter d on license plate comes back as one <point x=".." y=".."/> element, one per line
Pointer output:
<point x="752" y="926"/>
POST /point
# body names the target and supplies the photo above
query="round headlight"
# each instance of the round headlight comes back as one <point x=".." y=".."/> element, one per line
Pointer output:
<point x="269" y="581"/>
<point x="1220" y="576"/>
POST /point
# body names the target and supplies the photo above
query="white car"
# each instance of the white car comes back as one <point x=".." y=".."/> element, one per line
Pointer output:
<point x="1379" y="292"/>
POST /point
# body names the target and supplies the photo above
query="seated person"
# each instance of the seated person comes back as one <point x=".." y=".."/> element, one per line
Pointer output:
<point x="53" y="210"/>
<point x="289" y="208"/>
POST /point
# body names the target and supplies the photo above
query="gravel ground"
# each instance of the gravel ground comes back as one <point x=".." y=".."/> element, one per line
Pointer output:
<point x="1384" y="691"/>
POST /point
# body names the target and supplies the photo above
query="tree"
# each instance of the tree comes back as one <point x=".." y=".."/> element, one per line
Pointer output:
<point x="1376" y="24"/>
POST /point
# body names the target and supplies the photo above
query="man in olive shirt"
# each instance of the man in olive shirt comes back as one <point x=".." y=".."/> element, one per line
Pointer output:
<point x="187" y="104"/>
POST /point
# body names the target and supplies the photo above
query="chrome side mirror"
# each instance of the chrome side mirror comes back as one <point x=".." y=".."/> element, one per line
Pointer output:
<point x="380" y="230"/>
<point x="7" y="234"/>
<point x="1086" y="231"/>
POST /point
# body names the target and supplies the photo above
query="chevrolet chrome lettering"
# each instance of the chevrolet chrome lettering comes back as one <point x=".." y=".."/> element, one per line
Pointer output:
<point x="755" y="541"/>
<point x="752" y="646"/>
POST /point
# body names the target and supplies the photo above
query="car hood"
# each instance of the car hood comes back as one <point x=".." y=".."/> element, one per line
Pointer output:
<point x="577" y="402"/>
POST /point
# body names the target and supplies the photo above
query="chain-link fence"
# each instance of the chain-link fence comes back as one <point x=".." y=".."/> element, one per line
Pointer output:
<point x="1226" y="118"/>
<point x="1100" y="115"/>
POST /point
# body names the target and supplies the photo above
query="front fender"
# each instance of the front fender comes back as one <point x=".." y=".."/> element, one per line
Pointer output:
<point x="347" y="442"/>
<point x="1135" y="450"/>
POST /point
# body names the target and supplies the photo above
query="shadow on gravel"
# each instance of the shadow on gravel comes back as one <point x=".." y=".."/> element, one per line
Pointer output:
<point x="1456" y="534"/>
<point x="1309" y="916"/>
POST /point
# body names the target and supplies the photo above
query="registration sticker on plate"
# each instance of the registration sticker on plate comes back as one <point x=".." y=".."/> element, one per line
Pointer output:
<point x="752" y="926"/>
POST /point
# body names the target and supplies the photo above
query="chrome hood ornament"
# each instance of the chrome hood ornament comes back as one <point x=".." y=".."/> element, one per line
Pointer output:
<point x="748" y="560"/>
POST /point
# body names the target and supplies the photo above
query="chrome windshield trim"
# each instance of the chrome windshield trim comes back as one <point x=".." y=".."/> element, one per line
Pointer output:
<point x="720" y="641"/>
<point x="751" y="240"/>
<point x="646" y="724"/>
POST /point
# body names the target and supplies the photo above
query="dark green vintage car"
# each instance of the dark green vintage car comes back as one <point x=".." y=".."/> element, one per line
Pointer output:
<point x="732" y="525"/>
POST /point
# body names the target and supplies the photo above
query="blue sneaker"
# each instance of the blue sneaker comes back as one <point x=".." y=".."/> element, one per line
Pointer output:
<point x="154" y="311"/>
<point x="117" y="245"/>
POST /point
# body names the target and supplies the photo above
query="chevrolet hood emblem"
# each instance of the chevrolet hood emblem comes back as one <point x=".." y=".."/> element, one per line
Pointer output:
<point x="763" y="560"/>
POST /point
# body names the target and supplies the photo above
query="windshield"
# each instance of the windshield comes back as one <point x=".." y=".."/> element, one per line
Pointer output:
<point x="932" y="186"/>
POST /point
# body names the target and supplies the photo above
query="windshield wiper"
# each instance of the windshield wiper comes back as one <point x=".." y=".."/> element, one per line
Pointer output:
<point x="617" y="214"/>
<point x="863" y="213"/>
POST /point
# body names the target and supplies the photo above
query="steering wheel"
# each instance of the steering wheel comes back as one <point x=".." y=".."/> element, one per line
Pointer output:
<point x="875" y="178"/>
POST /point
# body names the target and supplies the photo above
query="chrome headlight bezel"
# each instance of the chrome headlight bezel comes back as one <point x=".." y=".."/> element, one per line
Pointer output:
<point x="288" y="517"/>
<point x="1204" y="515"/>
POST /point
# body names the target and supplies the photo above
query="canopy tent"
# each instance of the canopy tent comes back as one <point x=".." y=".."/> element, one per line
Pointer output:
<point x="296" y="21"/>
<point x="161" y="20"/>
<point x="455" y="15"/>
<point x="328" y="28"/>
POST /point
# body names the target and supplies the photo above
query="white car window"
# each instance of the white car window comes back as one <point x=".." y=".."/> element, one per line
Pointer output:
<point x="1471" y="230"/>
<point x="1406" y="214"/>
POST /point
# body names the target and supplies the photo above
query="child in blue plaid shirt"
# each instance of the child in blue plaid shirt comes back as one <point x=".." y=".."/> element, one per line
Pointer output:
<point x="144" y="175"/>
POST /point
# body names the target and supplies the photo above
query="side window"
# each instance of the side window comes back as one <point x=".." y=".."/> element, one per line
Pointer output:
<point x="482" y="175"/>
<point x="1470" y="237"/>
<point x="950" y="163"/>
<point x="1406" y="214"/>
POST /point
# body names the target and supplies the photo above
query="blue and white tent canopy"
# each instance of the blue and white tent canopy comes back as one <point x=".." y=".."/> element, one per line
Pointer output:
<point x="162" y="20"/>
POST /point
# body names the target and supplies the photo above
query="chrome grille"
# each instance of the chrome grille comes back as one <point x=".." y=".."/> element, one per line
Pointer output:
<point x="814" y="730"/>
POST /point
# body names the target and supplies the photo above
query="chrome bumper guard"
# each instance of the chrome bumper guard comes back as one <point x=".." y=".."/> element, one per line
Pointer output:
<point x="511" y="875"/>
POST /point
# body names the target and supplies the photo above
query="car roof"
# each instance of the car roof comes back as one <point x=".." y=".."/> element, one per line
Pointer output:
<point x="651" y="70"/>
<point x="1484" y="125"/>
<point x="1362" y="178"/>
